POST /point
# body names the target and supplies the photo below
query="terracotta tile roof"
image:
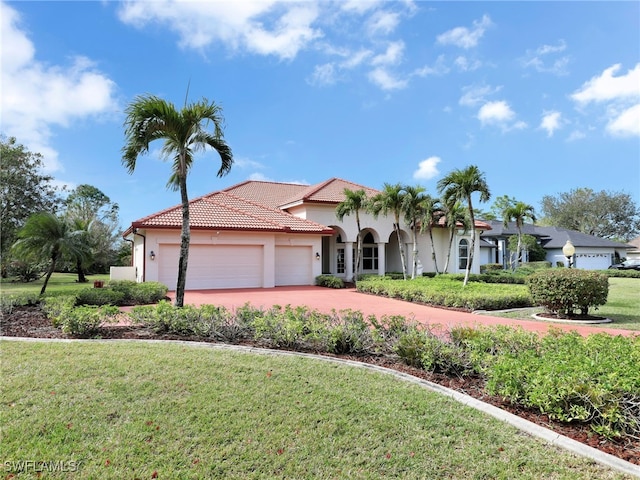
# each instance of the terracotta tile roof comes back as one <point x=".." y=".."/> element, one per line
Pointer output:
<point x="329" y="191"/>
<point x="225" y="211"/>
<point x="271" y="194"/>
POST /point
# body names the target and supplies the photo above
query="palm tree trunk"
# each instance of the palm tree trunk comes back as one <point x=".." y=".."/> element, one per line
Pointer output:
<point x="402" y="259"/>
<point x="185" y="238"/>
<point x="452" y="233"/>
<point x="81" y="277"/>
<point x="473" y="243"/>
<point x="414" y="269"/>
<point x="52" y="267"/>
<point x="433" y="251"/>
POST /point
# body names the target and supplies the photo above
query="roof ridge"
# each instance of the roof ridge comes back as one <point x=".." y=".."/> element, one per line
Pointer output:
<point x="266" y="220"/>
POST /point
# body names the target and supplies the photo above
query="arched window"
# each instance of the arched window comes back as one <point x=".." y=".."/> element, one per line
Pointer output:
<point x="369" y="253"/>
<point x="463" y="254"/>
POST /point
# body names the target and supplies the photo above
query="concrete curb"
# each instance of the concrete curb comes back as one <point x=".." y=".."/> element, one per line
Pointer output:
<point x="524" y="425"/>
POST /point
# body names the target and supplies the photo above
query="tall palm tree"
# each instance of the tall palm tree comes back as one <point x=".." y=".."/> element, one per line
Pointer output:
<point x="518" y="212"/>
<point x="390" y="201"/>
<point x="461" y="185"/>
<point x="354" y="202"/>
<point x="455" y="215"/>
<point x="46" y="236"/>
<point x="412" y="208"/>
<point x="184" y="133"/>
<point x="431" y="214"/>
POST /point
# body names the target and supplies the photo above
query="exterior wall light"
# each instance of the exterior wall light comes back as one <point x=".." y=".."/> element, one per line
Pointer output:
<point x="152" y="255"/>
<point x="568" y="251"/>
<point x="317" y="256"/>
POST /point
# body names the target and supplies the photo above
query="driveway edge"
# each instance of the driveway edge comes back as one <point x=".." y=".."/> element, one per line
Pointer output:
<point x="526" y="426"/>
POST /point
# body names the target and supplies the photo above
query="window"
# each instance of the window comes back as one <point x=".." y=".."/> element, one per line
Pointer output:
<point x="340" y="261"/>
<point x="463" y="254"/>
<point x="370" y="258"/>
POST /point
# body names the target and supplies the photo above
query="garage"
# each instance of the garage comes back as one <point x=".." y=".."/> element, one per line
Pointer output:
<point x="593" y="261"/>
<point x="213" y="266"/>
<point x="293" y="265"/>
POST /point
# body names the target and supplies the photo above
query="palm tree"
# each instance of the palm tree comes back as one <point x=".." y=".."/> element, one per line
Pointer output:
<point x="47" y="236"/>
<point x="390" y="200"/>
<point x="353" y="203"/>
<point x="518" y="212"/>
<point x="431" y="214"/>
<point x="413" y="211"/>
<point x="184" y="133"/>
<point x="454" y="214"/>
<point x="461" y="185"/>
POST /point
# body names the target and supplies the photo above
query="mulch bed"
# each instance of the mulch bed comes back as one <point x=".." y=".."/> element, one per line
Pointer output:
<point x="31" y="322"/>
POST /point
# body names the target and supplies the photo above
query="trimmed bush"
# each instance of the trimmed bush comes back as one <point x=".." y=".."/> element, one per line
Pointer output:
<point x="563" y="291"/>
<point x="329" y="281"/>
<point x="144" y="293"/>
<point x="490" y="267"/>
<point x="77" y="321"/>
<point x="99" y="296"/>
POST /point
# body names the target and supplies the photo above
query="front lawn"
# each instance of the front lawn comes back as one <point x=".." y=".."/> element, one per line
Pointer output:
<point x="59" y="284"/>
<point x="122" y="410"/>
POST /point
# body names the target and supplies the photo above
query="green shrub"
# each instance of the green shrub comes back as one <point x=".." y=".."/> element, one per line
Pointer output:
<point x="9" y="302"/>
<point x="292" y="328"/>
<point x="25" y="271"/>
<point x="440" y="356"/>
<point x="144" y="293"/>
<point x="490" y="267"/>
<point x="55" y="307"/>
<point x="410" y="346"/>
<point x="222" y="325"/>
<point x="86" y="320"/>
<point x="613" y="272"/>
<point x="537" y="265"/>
<point x="99" y="296"/>
<point x="563" y="291"/>
<point x="350" y="333"/>
<point x="329" y="281"/>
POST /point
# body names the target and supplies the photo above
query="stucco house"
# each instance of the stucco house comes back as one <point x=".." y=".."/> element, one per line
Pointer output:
<point x="265" y="234"/>
<point x="592" y="253"/>
<point x="634" y="253"/>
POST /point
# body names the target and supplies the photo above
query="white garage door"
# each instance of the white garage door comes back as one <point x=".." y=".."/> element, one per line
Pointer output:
<point x="293" y="265"/>
<point x="593" y="261"/>
<point x="213" y="266"/>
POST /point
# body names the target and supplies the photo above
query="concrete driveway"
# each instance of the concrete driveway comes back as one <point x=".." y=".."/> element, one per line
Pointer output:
<point x="327" y="299"/>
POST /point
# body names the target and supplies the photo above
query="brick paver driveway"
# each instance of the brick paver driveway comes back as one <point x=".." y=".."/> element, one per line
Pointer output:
<point x="327" y="299"/>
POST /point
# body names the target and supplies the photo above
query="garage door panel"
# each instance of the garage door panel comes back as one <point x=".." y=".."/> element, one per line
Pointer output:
<point x="293" y="265"/>
<point x="214" y="266"/>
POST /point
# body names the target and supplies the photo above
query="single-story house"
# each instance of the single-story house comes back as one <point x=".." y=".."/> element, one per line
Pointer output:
<point x="591" y="253"/>
<point x="266" y="234"/>
<point x="634" y="253"/>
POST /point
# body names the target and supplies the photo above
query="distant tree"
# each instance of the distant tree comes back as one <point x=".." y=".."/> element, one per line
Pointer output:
<point x="603" y="214"/>
<point x="390" y="201"/>
<point x="518" y="212"/>
<point x="413" y="209"/>
<point x="353" y="203"/>
<point x="91" y="211"/>
<point x="529" y="243"/>
<point x="150" y="118"/>
<point x="24" y="190"/>
<point x="47" y="236"/>
<point x="460" y="185"/>
<point x="499" y="205"/>
<point x="432" y="212"/>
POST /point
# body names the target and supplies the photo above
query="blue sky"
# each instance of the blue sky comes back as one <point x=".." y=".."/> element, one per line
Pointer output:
<point x="543" y="96"/>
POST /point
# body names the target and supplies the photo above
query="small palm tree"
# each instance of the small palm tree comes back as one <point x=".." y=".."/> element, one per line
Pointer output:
<point x="184" y="133"/>
<point x="353" y="203"/>
<point x="455" y="215"/>
<point x="460" y="185"/>
<point x="518" y="212"/>
<point x="46" y="236"/>
<point x="413" y="209"/>
<point x="390" y="201"/>
<point x="431" y="214"/>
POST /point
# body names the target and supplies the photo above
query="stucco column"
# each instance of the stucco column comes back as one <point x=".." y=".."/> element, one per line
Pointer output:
<point x="382" y="259"/>
<point x="348" y="260"/>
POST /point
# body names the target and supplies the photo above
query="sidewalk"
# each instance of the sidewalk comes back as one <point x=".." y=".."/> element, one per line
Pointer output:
<point x="327" y="299"/>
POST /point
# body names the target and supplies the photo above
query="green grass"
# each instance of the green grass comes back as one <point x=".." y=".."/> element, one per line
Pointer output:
<point x="623" y="305"/>
<point x="123" y="410"/>
<point x="59" y="284"/>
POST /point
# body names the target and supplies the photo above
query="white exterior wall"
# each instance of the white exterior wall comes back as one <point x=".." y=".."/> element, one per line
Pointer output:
<point x="584" y="258"/>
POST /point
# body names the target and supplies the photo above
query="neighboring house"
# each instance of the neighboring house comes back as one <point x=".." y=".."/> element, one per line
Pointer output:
<point x="592" y="253"/>
<point x="634" y="253"/>
<point x="266" y="234"/>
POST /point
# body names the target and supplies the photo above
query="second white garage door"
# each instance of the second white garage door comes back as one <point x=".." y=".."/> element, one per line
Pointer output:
<point x="293" y="265"/>
<point x="213" y="266"/>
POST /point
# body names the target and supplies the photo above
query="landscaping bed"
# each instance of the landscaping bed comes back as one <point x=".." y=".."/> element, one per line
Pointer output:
<point x="30" y="321"/>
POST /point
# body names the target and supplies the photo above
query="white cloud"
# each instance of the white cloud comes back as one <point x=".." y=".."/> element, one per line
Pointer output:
<point x="537" y="59"/>
<point x="607" y="87"/>
<point x="259" y="177"/>
<point x="266" y="27"/>
<point x="383" y="79"/>
<point x="466" y="65"/>
<point x="626" y="123"/>
<point x="427" y="169"/>
<point x="551" y="121"/>
<point x="36" y="97"/>
<point x="463" y="37"/>
<point x="382" y="23"/>
<point x="576" y="135"/>
<point x="500" y="114"/>
<point x="438" y="68"/>
<point x="475" y="95"/>
<point x="246" y="163"/>
<point x="391" y="56"/>
<point x="620" y="96"/>
<point x="323" y="75"/>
